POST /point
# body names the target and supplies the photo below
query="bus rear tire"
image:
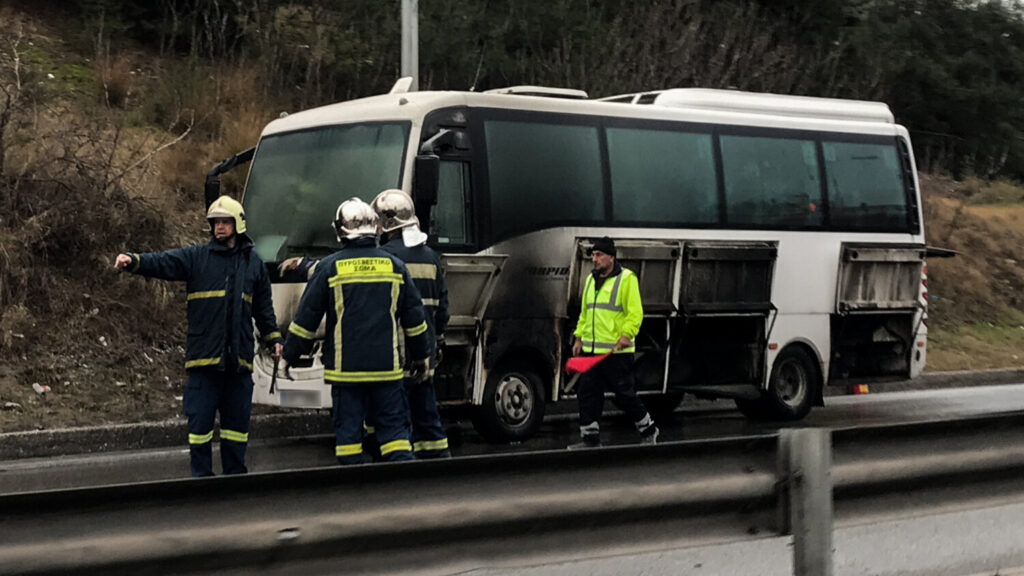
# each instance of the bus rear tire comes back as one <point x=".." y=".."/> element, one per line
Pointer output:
<point x="792" y="385"/>
<point x="513" y="406"/>
<point x="791" y="388"/>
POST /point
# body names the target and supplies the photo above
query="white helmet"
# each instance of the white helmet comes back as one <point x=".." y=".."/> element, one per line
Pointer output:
<point x="395" y="210"/>
<point x="354" y="219"/>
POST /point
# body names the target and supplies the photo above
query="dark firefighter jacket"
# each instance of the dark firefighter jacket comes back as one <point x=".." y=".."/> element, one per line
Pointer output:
<point x="425" y="268"/>
<point x="227" y="290"/>
<point x="368" y="297"/>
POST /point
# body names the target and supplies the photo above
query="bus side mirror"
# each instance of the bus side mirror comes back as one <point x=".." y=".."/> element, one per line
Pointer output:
<point x="211" y="190"/>
<point x="426" y="178"/>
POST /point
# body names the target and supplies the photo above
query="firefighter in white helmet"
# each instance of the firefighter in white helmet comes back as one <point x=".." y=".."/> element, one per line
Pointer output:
<point x="228" y="288"/>
<point x="368" y="297"/>
<point x="401" y="236"/>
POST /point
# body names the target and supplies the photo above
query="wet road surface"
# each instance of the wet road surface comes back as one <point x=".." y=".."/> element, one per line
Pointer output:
<point x="696" y="420"/>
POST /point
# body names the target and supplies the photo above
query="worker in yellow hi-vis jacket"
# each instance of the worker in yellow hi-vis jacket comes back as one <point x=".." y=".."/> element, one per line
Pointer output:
<point x="610" y="318"/>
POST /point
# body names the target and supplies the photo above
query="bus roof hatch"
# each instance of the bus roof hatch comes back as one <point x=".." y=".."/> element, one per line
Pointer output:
<point x="544" y="91"/>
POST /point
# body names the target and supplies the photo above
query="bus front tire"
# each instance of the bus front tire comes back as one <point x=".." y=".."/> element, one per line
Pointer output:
<point x="513" y="406"/>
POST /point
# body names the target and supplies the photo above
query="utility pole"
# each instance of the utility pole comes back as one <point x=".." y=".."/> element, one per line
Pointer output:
<point x="410" y="42"/>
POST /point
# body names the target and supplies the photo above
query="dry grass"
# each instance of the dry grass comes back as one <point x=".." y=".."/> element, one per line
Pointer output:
<point x="1009" y="217"/>
<point x="977" y="312"/>
<point x="979" y="346"/>
<point x="986" y="278"/>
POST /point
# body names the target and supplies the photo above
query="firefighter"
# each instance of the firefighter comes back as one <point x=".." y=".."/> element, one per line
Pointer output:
<point x="368" y="296"/>
<point x="402" y="237"/>
<point x="228" y="287"/>
<point x="610" y="317"/>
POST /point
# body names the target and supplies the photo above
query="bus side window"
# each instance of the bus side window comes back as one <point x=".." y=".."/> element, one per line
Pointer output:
<point x="449" y="220"/>
<point x="771" y="182"/>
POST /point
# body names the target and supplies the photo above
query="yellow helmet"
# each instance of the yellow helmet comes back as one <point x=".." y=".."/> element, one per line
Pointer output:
<point x="227" y="207"/>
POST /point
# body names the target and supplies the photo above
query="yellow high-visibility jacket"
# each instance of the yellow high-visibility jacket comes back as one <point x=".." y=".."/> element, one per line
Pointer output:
<point x="612" y="311"/>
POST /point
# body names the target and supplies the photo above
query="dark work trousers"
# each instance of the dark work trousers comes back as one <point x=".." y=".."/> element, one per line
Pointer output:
<point x="206" y="393"/>
<point x="428" y="437"/>
<point x="382" y="403"/>
<point x="614" y="374"/>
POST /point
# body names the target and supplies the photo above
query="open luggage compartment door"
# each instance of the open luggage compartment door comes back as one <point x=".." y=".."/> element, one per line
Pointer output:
<point x="878" y="311"/>
<point x="725" y="298"/>
<point x="471" y="279"/>
<point x="879" y="277"/>
<point x="655" y="262"/>
<point x="727" y="277"/>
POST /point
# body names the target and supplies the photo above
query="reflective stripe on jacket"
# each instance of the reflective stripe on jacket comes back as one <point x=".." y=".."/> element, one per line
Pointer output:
<point x="425" y="268"/>
<point x="612" y="311"/>
<point x="207" y="270"/>
<point x="368" y="296"/>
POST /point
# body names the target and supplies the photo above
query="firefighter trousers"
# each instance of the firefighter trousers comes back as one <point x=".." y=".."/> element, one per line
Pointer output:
<point x="384" y="404"/>
<point x="206" y="393"/>
<point x="428" y="437"/>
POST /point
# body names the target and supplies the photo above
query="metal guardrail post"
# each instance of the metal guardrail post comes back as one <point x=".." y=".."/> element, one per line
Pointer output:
<point x="806" y="459"/>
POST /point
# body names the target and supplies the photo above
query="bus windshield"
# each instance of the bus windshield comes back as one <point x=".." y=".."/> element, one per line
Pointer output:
<point x="298" y="179"/>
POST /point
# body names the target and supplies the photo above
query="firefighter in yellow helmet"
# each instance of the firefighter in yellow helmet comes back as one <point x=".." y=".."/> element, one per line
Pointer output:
<point x="368" y="296"/>
<point x="228" y="288"/>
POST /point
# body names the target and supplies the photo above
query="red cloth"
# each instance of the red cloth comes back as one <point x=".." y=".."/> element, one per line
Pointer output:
<point x="581" y="364"/>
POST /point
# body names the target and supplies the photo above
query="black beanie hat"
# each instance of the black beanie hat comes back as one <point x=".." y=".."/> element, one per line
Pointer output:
<point x="605" y="245"/>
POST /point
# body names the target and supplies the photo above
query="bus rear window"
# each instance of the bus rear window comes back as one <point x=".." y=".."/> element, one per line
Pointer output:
<point x="865" y="186"/>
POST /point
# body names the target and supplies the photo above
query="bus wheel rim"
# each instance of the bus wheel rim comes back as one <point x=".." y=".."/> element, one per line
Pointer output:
<point x="513" y="400"/>
<point x="791" y="384"/>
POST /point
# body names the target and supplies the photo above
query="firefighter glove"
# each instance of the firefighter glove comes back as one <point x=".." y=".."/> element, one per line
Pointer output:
<point x="419" y="370"/>
<point x="439" y="350"/>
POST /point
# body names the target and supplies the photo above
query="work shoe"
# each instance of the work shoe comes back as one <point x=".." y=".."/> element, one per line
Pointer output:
<point x="588" y="441"/>
<point x="649" y="435"/>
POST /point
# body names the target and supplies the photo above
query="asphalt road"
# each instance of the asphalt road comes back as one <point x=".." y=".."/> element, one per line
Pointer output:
<point x="695" y="421"/>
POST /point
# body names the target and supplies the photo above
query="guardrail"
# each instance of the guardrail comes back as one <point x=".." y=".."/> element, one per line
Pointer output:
<point x="508" y="509"/>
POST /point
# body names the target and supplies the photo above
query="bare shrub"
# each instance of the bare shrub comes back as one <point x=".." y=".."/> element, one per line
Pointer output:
<point x="16" y="329"/>
<point x="115" y="72"/>
<point x="182" y="170"/>
<point x="998" y="191"/>
<point x="76" y="188"/>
